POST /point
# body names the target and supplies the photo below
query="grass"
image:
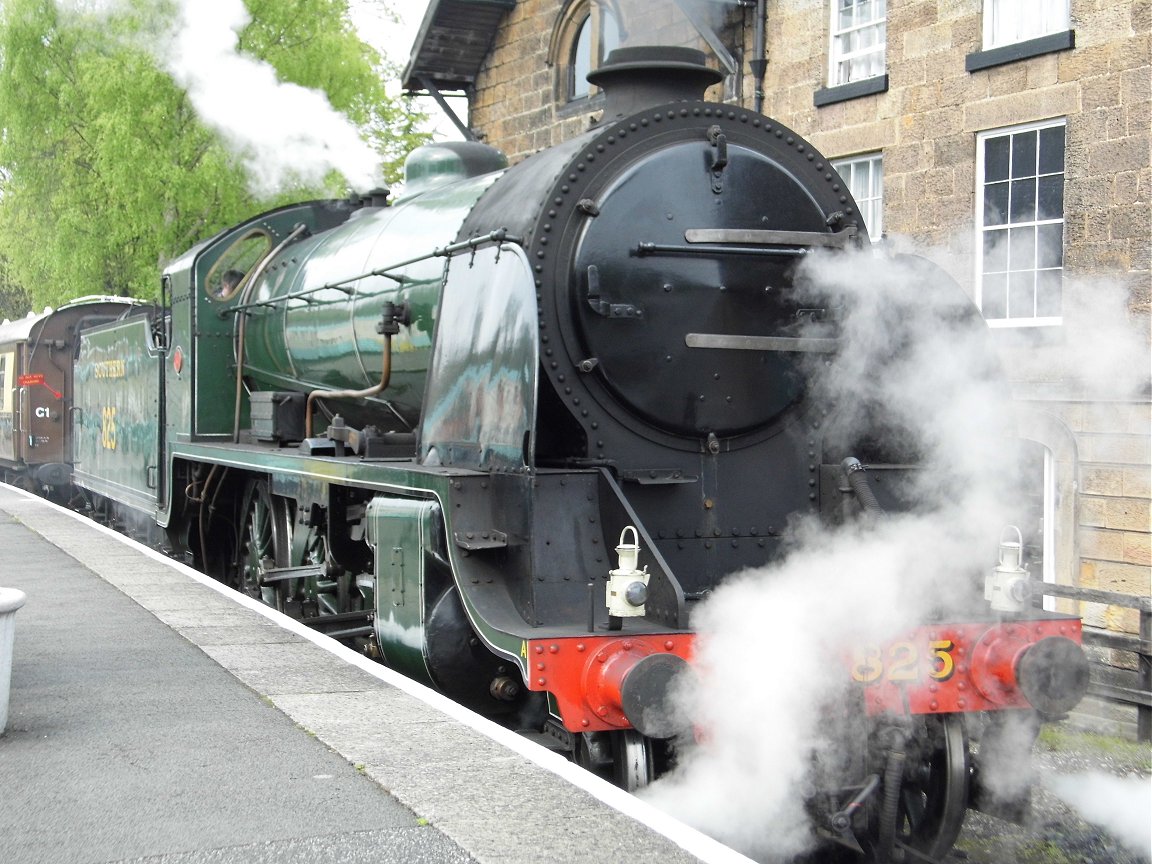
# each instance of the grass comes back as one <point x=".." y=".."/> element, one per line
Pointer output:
<point x="1062" y="739"/>
<point x="1017" y="850"/>
<point x="1042" y="852"/>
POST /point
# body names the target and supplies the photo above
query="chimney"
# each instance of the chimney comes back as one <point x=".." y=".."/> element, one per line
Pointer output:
<point x="645" y="76"/>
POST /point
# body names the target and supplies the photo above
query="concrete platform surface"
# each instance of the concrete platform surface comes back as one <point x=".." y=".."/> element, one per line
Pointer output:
<point x="158" y="716"/>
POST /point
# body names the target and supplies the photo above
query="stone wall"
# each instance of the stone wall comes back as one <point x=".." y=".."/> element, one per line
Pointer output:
<point x="925" y="123"/>
<point x="516" y="106"/>
<point x="1115" y="553"/>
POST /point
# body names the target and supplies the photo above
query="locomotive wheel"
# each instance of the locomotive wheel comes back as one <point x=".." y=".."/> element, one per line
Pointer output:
<point x="934" y="795"/>
<point x="266" y="542"/>
<point x="633" y="760"/>
<point x="626" y="758"/>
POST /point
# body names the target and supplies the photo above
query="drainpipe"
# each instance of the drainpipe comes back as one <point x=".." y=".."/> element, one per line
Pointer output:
<point x="758" y="65"/>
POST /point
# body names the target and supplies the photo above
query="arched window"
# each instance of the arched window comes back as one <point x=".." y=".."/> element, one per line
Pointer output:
<point x="585" y="33"/>
<point x="1050" y="466"/>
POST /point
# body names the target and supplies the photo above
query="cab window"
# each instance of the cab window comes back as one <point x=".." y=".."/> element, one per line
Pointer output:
<point x="233" y="267"/>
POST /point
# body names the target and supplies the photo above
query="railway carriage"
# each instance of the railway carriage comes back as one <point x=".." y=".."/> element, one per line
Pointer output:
<point x="36" y="362"/>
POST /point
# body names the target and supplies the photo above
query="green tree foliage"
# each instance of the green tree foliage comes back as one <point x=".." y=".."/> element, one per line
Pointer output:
<point x="106" y="173"/>
<point x="14" y="302"/>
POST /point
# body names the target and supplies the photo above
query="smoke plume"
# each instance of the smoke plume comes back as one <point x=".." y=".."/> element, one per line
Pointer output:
<point x="284" y="134"/>
<point x="1120" y="805"/>
<point x="671" y="22"/>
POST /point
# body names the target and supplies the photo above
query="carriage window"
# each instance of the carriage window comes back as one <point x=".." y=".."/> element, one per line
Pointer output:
<point x="7" y="366"/>
<point x="233" y="267"/>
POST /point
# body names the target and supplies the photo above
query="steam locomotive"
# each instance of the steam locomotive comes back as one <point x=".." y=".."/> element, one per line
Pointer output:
<point x="448" y="429"/>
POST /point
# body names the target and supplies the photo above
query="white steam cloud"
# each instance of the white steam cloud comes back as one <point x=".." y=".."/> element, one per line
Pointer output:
<point x="773" y="661"/>
<point x="670" y="22"/>
<point x="1120" y="805"/>
<point x="774" y="643"/>
<point x="1105" y="345"/>
<point x="284" y="134"/>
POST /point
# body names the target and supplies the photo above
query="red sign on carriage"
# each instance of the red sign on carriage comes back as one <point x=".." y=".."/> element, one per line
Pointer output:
<point x="37" y="380"/>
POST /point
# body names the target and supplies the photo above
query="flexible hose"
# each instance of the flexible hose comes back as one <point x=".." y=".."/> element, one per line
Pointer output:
<point x="890" y="810"/>
<point x="858" y="479"/>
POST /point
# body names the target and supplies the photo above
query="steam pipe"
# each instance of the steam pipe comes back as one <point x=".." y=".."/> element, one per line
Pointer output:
<point x="858" y="480"/>
<point x="388" y="326"/>
<point x="385" y="375"/>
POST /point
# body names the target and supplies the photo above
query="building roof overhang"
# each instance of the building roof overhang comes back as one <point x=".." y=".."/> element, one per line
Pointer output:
<point x="453" y="42"/>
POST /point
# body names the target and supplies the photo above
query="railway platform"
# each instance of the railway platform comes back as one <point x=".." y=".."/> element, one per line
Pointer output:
<point x="158" y="716"/>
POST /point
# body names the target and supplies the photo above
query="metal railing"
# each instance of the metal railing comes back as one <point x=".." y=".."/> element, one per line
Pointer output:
<point x="1111" y="683"/>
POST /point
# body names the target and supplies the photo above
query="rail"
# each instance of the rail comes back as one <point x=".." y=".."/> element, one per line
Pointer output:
<point x="1126" y="686"/>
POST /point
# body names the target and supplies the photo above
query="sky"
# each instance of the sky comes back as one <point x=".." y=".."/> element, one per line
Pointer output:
<point x="394" y="39"/>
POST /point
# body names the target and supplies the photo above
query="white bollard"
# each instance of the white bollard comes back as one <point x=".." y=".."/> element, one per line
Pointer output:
<point x="11" y="599"/>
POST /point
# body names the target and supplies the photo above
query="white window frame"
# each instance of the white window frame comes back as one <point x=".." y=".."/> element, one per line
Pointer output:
<point x="1049" y="533"/>
<point x="1038" y="486"/>
<point x="7" y="381"/>
<point x="838" y="35"/>
<point x="981" y="229"/>
<point x="1007" y="22"/>
<point x="867" y="187"/>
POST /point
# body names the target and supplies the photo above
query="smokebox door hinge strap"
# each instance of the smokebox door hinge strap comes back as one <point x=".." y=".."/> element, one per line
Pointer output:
<point x="719" y="143"/>
<point x="603" y="307"/>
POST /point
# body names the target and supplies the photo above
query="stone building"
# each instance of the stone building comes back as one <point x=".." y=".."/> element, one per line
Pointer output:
<point x="1007" y="139"/>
